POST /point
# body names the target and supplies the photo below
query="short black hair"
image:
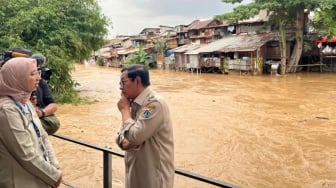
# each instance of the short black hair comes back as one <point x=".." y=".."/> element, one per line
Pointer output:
<point x="140" y="70"/>
<point x="40" y="59"/>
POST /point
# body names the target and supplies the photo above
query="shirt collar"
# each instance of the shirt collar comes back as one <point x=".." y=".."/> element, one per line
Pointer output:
<point x="140" y="99"/>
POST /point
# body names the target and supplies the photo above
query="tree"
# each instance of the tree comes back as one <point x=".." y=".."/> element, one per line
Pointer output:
<point x="161" y="46"/>
<point x="324" y="20"/>
<point x="65" y="32"/>
<point x="138" y="57"/>
<point x="283" y="13"/>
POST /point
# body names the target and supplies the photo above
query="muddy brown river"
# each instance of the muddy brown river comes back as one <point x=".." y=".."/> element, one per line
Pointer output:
<point x="250" y="131"/>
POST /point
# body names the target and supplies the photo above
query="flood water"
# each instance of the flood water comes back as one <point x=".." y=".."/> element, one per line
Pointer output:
<point x="250" y="131"/>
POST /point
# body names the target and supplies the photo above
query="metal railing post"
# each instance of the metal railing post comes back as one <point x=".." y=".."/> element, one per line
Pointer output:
<point x="107" y="166"/>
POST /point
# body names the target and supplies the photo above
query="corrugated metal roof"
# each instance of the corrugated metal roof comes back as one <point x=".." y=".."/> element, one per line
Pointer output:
<point x="127" y="51"/>
<point x="187" y="47"/>
<point x="213" y="46"/>
<point x="200" y="24"/>
<point x="131" y="50"/>
<point x="116" y="41"/>
<point x="249" y="42"/>
<point x="106" y="54"/>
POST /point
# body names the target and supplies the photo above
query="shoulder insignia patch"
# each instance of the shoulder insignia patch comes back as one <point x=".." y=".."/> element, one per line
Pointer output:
<point x="147" y="110"/>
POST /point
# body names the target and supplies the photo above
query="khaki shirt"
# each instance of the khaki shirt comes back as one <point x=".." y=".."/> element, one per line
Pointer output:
<point x="22" y="162"/>
<point x="149" y="160"/>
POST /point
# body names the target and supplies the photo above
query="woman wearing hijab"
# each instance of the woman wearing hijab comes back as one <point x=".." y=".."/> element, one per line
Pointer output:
<point x="26" y="155"/>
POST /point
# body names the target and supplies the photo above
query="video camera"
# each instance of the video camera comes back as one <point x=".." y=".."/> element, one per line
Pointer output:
<point x="22" y="52"/>
<point x="14" y="52"/>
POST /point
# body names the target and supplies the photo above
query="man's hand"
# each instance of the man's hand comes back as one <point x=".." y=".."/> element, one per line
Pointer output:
<point x="38" y="111"/>
<point x="126" y="145"/>
<point x="124" y="107"/>
<point x="123" y="103"/>
<point x="33" y="100"/>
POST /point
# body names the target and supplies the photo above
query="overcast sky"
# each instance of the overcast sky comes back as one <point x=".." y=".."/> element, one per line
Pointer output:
<point x="129" y="17"/>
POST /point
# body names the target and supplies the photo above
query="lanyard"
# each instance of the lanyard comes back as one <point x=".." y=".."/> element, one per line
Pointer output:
<point x="29" y="117"/>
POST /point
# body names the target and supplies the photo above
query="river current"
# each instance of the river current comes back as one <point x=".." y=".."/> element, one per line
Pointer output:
<point x="250" y="131"/>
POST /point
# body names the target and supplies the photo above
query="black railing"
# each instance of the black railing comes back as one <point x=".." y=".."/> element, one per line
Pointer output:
<point x="107" y="164"/>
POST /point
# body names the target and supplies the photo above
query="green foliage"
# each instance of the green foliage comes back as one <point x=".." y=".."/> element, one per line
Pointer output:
<point x="325" y="18"/>
<point x="100" y="61"/>
<point x="240" y="12"/>
<point x="161" y="44"/>
<point x="138" y="57"/>
<point x="65" y="32"/>
<point x="280" y="11"/>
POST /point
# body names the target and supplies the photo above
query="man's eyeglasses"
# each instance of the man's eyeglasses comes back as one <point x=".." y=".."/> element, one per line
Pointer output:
<point x="123" y="82"/>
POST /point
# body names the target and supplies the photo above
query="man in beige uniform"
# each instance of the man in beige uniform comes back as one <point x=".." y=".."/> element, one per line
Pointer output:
<point x="146" y="133"/>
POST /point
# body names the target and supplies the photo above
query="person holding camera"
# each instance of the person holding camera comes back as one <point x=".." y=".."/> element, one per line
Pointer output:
<point x="45" y="104"/>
